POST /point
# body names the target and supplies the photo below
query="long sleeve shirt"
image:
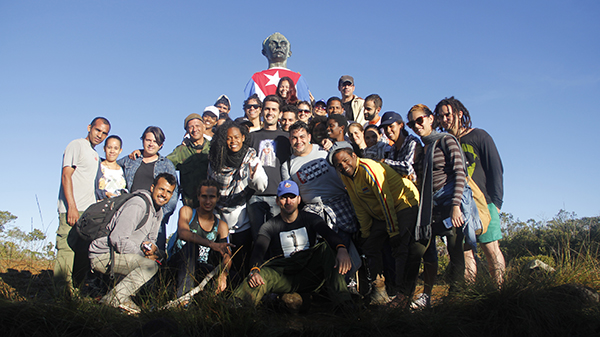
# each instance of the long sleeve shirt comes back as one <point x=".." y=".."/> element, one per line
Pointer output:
<point x="378" y="192"/>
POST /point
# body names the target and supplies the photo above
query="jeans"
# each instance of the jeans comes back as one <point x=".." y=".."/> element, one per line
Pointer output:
<point x="260" y="209"/>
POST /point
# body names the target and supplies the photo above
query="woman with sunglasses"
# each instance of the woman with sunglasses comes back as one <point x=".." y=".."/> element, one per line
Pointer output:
<point x="238" y="172"/>
<point x="304" y="111"/>
<point x="252" y="109"/>
<point x="443" y="182"/>
<point x="485" y="167"/>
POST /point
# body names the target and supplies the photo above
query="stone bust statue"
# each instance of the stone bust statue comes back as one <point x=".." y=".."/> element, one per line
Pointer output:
<point x="276" y="48"/>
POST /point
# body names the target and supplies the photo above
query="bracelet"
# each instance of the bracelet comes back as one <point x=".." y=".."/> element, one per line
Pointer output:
<point x="340" y="246"/>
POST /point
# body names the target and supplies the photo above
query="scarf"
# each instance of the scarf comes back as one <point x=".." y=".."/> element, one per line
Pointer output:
<point x="235" y="159"/>
<point x="423" y="228"/>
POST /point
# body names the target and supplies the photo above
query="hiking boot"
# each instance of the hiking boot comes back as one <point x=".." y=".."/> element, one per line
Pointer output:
<point x="423" y="301"/>
<point x="292" y="301"/>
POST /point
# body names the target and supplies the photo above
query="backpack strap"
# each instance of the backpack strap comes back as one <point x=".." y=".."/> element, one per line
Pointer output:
<point x="140" y="225"/>
<point x="446" y="151"/>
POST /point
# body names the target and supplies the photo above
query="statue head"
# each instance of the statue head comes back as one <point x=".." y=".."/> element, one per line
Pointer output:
<point x="277" y="49"/>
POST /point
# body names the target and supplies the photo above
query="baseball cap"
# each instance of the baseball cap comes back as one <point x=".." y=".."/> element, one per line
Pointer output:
<point x="346" y="78"/>
<point x="390" y="117"/>
<point x="321" y="101"/>
<point x="335" y="147"/>
<point x="287" y="187"/>
<point x="244" y="121"/>
<point x="212" y="110"/>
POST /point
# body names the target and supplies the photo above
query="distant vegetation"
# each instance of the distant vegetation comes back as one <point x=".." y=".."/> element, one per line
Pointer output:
<point x="17" y="244"/>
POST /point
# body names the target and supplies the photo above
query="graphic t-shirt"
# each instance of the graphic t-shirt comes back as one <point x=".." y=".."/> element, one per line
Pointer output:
<point x="272" y="149"/>
<point x="484" y="164"/>
<point x="112" y="181"/>
<point x="316" y="179"/>
<point x="282" y="239"/>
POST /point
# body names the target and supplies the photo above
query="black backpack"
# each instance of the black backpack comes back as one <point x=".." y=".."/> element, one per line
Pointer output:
<point x="94" y="221"/>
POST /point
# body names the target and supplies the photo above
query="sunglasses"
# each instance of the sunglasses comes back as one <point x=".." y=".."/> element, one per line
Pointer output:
<point x="252" y="106"/>
<point x="418" y="120"/>
<point x="304" y="111"/>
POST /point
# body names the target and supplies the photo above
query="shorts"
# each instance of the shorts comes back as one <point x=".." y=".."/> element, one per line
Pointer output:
<point x="493" y="233"/>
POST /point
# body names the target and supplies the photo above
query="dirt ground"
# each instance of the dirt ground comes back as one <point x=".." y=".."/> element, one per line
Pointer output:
<point x="21" y="280"/>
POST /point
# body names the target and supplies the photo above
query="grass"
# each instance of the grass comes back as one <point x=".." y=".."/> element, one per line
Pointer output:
<point x="526" y="305"/>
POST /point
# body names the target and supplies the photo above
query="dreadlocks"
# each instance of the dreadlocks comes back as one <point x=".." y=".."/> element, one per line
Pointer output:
<point x="220" y="155"/>
<point x="456" y="105"/>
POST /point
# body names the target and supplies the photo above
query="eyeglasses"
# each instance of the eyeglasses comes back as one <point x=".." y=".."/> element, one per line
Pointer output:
<point x="320" y="107"/>
<point x="304" y="111"/>
<point x="418" y="120"/>
<point x="252" y="106"/>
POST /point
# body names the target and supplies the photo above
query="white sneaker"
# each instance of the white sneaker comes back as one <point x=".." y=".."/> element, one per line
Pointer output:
<point x="422" y="302"/>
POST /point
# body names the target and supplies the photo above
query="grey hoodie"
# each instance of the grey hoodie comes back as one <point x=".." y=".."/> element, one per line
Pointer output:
<point x="124" y="238"/>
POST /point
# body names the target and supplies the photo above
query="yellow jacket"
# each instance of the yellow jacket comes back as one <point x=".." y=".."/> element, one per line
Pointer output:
<point x="378" y="192"/>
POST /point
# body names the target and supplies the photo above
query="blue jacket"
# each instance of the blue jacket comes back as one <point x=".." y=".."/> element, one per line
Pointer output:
<point x="162" y="165"/>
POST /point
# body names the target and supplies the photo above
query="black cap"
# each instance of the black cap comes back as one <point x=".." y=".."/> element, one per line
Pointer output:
<point x="389" y="118"/>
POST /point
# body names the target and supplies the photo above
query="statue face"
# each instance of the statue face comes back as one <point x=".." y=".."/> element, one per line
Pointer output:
<point x="277" y="48"/>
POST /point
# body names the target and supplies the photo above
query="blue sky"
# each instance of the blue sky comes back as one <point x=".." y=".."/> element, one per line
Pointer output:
<point x="528" y="72"/>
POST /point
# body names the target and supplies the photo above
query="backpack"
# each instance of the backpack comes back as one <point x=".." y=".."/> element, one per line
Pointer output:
<point x="478" y="196"/>
<point x="93" y="223"/>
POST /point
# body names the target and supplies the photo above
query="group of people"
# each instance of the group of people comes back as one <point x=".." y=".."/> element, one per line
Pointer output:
<point x="289" y="204"/>
<point x="296" y="196"/>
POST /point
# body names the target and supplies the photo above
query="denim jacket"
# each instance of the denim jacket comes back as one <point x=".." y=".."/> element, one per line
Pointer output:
<point x="162" y="165"/>
<point x="443" y="197"/>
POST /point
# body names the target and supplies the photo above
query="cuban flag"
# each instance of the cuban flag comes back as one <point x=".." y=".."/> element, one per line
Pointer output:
<point x="265" y="82"/>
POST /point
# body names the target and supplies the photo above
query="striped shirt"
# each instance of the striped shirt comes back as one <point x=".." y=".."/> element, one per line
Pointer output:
<point x="449" y="166"/>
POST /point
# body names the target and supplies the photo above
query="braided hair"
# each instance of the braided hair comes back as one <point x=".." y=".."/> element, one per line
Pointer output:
<point x="456" y="105"/>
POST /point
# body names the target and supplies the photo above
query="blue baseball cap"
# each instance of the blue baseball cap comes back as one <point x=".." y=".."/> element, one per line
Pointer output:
<point x="287" y="187"/>
<point x="389" y="118"/>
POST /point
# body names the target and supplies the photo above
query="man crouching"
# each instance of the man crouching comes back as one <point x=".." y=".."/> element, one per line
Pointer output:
<point x="135" y="253"/>
<point x="298" y="263"/>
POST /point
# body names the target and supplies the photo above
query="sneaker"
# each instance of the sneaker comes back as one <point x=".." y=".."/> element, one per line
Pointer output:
<point x="129" y="307"/>
<point x="353" y="287"/>
<point x="126" y="305"/>
<point x="422" y="302"/>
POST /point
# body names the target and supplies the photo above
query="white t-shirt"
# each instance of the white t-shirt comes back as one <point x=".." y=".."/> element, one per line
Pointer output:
<point x="316" y="179"/>
<point x="80" y="155"/>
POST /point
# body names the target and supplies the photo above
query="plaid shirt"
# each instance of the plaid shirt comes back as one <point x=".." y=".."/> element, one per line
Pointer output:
<point x="403" y="160"/>
<point x="338" y="212"/>
<point x="233" y="182"/>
